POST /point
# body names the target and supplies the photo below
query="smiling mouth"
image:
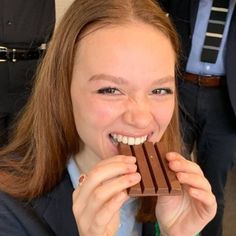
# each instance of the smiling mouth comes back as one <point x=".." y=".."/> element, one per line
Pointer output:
<point x="118" y="138"/>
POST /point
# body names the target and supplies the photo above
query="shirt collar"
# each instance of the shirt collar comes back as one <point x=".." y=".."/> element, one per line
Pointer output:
<point x="74" y="172"/>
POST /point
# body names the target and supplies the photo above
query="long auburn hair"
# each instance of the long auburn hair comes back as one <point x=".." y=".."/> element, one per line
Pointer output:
<point x="45" y="135"/>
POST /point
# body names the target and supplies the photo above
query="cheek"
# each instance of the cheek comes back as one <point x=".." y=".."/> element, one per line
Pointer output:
<point x="103" y="111"/>
<point x="164" y="114"/>
<point x="96" y="113"/>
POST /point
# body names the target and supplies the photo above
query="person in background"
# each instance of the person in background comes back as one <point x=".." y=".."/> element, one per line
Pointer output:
<point x="108" y="76"/>
<point x="207" y="86"/>
<point x="25" y="28"/>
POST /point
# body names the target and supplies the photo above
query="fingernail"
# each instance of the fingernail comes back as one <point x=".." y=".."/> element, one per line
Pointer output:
<point x="136" y="176"/>
<point x="130" y="168"/>
<point x="131" y="159"/>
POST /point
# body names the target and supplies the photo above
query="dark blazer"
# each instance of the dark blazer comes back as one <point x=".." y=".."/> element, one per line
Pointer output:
<point x="50" y="215"/>
<point x="183" y="13"/>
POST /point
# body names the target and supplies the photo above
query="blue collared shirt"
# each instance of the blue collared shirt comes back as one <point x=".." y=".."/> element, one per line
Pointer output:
<point x="194" y="64"/>
<point x="127" y="213"/>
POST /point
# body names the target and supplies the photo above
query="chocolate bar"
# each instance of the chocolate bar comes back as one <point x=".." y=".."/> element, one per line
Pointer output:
<point x="156" y="177"/>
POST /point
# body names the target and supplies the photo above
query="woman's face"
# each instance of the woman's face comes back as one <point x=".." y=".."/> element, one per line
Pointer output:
<point x="122" y="87"/>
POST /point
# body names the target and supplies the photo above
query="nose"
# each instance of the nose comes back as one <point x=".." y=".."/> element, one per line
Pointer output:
<point x="138" y="114"/>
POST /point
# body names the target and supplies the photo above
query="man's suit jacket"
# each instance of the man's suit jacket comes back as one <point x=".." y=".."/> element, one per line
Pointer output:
<point x="50" y="215"/>
<point x="183" y="13"/>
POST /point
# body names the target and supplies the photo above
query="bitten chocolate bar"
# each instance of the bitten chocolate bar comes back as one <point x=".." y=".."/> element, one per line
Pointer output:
<point x="156" y="177"/>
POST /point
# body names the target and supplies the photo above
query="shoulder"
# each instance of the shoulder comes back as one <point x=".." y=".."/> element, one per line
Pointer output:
<point x="18" y="219"/>
<point x="9" y="225"/>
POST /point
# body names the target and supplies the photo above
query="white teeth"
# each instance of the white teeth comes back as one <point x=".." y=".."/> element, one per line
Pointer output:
<point x="138" y="141"/>
<point x="124" y="140"/>
<point x="119" y="138"/>
<point x="128" y="140"/>
<point x="143" y="139"/>
<point x="131" y="141"/>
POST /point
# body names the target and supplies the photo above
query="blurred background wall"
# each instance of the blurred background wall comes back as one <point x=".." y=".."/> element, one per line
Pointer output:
<point x="61" y="6"/>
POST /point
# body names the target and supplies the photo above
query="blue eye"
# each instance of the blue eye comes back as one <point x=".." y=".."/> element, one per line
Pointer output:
<point x="162" y="91"/>
<point x="109" y="90"/>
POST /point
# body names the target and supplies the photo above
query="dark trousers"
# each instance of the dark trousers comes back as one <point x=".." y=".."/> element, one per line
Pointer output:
<point x="6" y="122"/>
<point x="209" y="123"/>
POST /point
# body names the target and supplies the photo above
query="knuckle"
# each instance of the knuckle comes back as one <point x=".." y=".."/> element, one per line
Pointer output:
<point x="75" y="210"/>
<point x="74" y="196"/>
<point x="197" y="167"/>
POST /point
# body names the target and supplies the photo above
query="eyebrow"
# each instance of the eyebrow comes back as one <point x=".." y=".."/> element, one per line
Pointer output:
<point x="166" y="79"/>
<point x="120" y="80"/>
<point x="114" y="79"/>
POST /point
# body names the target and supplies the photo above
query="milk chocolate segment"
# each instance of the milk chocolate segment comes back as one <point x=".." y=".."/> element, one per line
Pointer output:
<point x="126" y="150"/>
<point x="172" y="181"/>
<point x="156" y="169"/>
<point x="147" y="185"/>
<point x="156" y="177"/>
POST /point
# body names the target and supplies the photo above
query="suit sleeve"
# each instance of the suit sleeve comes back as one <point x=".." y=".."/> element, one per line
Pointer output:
<point x="18" y="219"/>
<point x="9" y="224"/>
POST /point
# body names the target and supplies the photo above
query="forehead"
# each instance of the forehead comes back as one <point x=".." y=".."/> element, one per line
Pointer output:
<point x="130" y="49"/>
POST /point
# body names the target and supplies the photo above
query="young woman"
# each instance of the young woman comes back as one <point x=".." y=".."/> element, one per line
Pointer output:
<point x="108" y="77"/>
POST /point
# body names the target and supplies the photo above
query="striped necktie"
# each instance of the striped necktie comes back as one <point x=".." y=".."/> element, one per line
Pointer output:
<point x="215" y="30"/>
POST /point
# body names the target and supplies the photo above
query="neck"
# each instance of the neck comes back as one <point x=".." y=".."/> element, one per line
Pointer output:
<point x="86" y="160"/>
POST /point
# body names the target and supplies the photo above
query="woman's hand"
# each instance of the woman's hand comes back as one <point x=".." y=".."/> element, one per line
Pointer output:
<point x="186" y="215"/>
<point x="96" y="203"/>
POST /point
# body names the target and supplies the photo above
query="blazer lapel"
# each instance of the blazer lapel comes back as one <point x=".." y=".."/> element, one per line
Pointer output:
<point x="56" y="209"/>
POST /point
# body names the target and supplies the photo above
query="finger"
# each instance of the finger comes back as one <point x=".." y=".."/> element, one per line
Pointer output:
<point x="178" y="163"/>
<point x="106" y="214"/>
<point x="118" y="158"/>
<point x="99" y="222"/>
<point x="81" y="180"/>
<point x="194" y="180"/>
<point x="100" y="196"/>
<point x="99" y="175"/>
<point x="207" y="199"/>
